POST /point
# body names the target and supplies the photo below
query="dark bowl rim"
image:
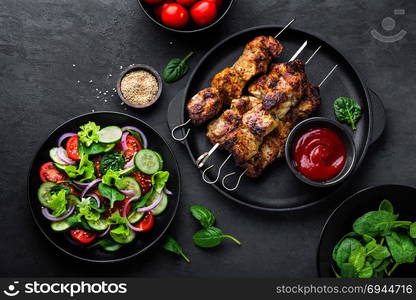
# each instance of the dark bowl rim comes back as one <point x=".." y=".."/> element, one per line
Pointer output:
<point x="187" y="31"/>
<point x="345" y="136"/>
<point x="32" y="208"/>
<point x="323" y="230"/>
<point x="134" y="67"/>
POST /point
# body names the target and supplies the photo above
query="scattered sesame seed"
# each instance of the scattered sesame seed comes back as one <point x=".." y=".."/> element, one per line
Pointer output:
<point x="110" y="75"/>
<point x="78" y="81"/>
<point x="121" y="67"/>
<point x="73" y="65"/>
<point x="90" y="81"/>
<point x="171" y="43"/>
<point x="93" y="110"/>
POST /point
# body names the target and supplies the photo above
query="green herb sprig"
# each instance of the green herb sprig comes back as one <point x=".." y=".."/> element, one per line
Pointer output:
<point x="176" y="69"/>
<point x="347" y="111"/>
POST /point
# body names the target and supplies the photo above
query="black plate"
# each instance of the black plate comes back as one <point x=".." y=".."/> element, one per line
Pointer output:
<point x="142" y="241"/>
<point x="277" y="189"/>
<point x="341" y="220"/>
<point x="191" y="27"/>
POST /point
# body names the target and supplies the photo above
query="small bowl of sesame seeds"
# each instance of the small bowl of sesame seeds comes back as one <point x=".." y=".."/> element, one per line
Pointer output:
<point x="139" y="86"/>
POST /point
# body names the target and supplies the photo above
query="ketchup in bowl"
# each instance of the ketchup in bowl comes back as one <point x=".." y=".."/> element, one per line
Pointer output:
<point x="319" y="154"/>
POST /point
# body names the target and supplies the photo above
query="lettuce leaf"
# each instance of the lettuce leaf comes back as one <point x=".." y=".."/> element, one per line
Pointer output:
<point x="58" y="203"/>
<point x="89" y="133"/>
<point x="85" y="169"/>
<point x="159" y="180"/>
<point x="110" y="177"/>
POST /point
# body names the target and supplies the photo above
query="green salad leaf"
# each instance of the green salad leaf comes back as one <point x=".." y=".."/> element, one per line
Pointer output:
<point x="347" y="111"/>
<point x="176" y="69"/>
<point x="110" y="193"/>
<point x="95" y="148"/>
<point x="401" y="247"/>
<point x="110" y="177"/>
<point x="211" y="237"/>
<point x="89" y="133"/>
<point x="58" y="202"/>
<point x="159" y="180"/>
<point x="412" y="230"/>
<point x="113" y="161"/>
<point x="173" y="246"/>
<point x="85" y="169"/>
<point x="203" y="215"/>
<point x="375" y="223"/>
<point x="88" y="210"/>
<point x="121" y="230"/>
<point x="107" y="244"/>
<point x="386" y="205"/>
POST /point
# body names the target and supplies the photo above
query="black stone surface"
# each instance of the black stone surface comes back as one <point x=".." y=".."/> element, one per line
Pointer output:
<point x="47" y="46"/>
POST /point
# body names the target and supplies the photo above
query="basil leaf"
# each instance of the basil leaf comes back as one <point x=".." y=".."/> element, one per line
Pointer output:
<point x="203" y="215"/>
<point x="111" y="194"/>
<point x="386" y="205"/>
<point x="172" y="245"/>
<point x="113" y="161"/>
<point x="211" y="237"/>
<point x="347" y="111"/>
<point x="175" y="69"/>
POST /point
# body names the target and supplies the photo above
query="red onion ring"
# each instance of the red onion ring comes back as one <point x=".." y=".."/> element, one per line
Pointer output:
<point x="144" y="139"/>
<point x="96" y="198"/>
<point x="90" y="185"/>
<point x="50" y="217"/>
<point x="123" y="141"/>
<point x="81" y="184"/>
<point x="130" y="163"/>
<point x="127" y="192"/>
<point x="151" y="206"/>
<point x="167" y="192"/>
<point x="124" y="214"/>
<point x="64" y="136"/>
<point x="64" y="156"/>
<point x="104" y="233"/>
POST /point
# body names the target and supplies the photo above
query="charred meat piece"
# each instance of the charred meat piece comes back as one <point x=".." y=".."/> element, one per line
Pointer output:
<point x="273" y="145"/>
<point x="229" y="84"/>
<point x="204" y="106"/>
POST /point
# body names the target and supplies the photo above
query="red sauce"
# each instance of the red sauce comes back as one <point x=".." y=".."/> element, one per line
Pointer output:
<point x="319" y="154"/>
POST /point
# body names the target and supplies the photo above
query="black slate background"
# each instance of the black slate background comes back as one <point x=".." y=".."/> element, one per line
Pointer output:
<point x="40" y="40"/>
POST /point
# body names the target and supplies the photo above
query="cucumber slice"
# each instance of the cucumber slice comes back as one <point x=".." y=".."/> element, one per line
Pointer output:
<point x="161" y="206"/>
<point x="122" y="239"/>
<point x="147" y="161"/>
<point x="129" y="183"/>
<point x="44" y="193"/>
<point x="135" y="217"/>
<point x="99" y="225"/>
<point x="127" y="171"/>
<point x="60" y="225"/>
<point x="110" y="134"/>
<point x="160" y="160"/>
<point x="54" y="155"/>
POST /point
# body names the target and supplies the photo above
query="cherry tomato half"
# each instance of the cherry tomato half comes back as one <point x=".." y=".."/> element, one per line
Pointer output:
<point x="82" y="236"/>
<point x="72" y="148"/>
<point x="152" y="1"/>
<point x="144" y="180"/>
<point x="118" y="205"/>
<point x="187" y="2"/>
<point x="204" y="12"/>
<point x="133" y="146"/>
<point x="48" y="172"/>
<point x="158" y="9"/>
<point x="146" y="223"/>
<point x="175" y="15"/>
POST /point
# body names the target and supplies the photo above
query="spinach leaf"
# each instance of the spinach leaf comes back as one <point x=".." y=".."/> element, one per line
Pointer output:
<point x="412" y="230"/>
<point x="347" y="111"/>
<point x="366" y="271"/>
<point x="348" y="271"/>
<point x="96" y="148"/>
<point x="173" y="246"/>
<point x="113" y="161"/>
<point x="357" y="258"/>
<point x="375" y="223"/>
<point x="401" y="247"/>
<point x="176" y="69"/>
<point x="111" y="194"/>
<point x="107" y="244"/>
<point x="89" y="133"/>
<point x="383" y="266"/>
<point x="211" y="237"/>
<point x="203" y="215"/>
<point x="159" y="180"/>
<point x="387" y="206"/>
<point x="343" y="250"/>
<point x="378" y="252"/>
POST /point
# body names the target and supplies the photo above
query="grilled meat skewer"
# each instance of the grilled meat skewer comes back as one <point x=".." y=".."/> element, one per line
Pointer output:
<point x="230" y="82"/>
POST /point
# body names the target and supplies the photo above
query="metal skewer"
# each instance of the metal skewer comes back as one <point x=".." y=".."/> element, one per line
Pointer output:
<point x="172" y="133"/>
<point x="201" y="160"/>
<point x="245" y="170"/>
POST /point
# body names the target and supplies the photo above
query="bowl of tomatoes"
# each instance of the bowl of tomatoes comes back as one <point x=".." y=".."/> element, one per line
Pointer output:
<point x="186" y="16"/>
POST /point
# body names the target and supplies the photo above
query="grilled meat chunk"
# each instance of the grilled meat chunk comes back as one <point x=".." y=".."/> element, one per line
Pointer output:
<point x="204" y="106"/>
<point x="229" y="84"/>
<point x="273" y="145"/>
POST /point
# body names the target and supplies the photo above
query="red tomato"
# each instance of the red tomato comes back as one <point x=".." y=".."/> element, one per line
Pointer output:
<point x="158" y="9"/>
<point x="118" y="205"/>
<point x="97" y="163"/>
<point x="204" y="12"/>
<point x="82" y="236"/>
<point x="175" y="15"/>
<point x="218" y="3"/>
<point x="72" y="148"/>
<point x="144" y="180"/>
<point x="133" y="146"/>
<point x="152" y="1"/>
<point x="146" y="223"/>
<point x="48" y="172"/>
<point x="186" y="2"/>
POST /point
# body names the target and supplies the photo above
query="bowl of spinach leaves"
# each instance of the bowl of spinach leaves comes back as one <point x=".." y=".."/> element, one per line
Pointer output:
<point x="371" y="234"/>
